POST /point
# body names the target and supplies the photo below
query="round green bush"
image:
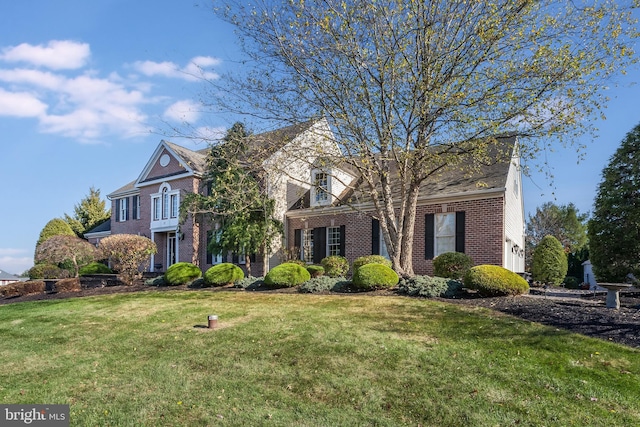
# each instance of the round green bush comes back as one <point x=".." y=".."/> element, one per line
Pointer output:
<point x="451" y="265"/>
<point x="223" y="274"/>
<point x="335" y="265"/>
<point x="374" y="276"/>
<point x="493" y="280"/>
<point x="370" y="259"/>
<point x="181" y="273"/>
<point x="549" y="264"/>
<point x="95" y="268"/>
<point x="315" y="270"/>
<point x="287" y="275"/>
<point x="46" y="271"/>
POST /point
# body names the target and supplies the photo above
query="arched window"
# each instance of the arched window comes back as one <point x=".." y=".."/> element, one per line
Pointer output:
<point x="165" y="203"/>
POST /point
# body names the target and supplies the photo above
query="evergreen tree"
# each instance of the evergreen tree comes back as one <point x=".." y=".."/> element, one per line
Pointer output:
<point x="236" y="202"/>
<point x="614" y="229"/>
<point x="90" y="212"/>
<point x="549" y="261"/>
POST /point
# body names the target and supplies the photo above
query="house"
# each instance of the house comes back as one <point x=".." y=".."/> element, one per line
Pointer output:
<point x="481" y="215"/>
<point x="6" y="278"/>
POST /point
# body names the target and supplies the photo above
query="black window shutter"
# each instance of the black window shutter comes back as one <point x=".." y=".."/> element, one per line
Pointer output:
<point x="136" y="207"/>
<point x="117" y="215"/>
<point x="126" y="212"/>
<point x="375" y="236"/>
<point x="297" y="238"/>
<point x="253" y="257"/>
<point x="429" y="235"/>
<point x="234" y="258"/>
<point x="319" y="244"/>
<point x="460" y="217"/>
<point x="209" y="254"/>
<point x="343" y="242"/>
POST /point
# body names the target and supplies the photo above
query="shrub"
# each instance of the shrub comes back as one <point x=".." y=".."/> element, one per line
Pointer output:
<point x="156" y="281"/>
<point x="571" y="282"/>
<point x="287" y="275"/>
<point x="493" y="280"/>
<point x="46" y="271"/>
<point x="374" y="276"/>
<point x="451" y="265"/>
<point x="223" y="274"/>
<point x="70" y="250"/>
<point x="315" y="270"/>
<point x="31" y="287"/>
<point x="322" y="284"/>
<point x="55" y="227"/>
<point x="95" y="268"/>
<point x="250" y="282"/>
<point x="549" y="264"/>
<point x="129" y="254"/>
<point x="370" y="259"/>
<point x="430" y="287"/>
<point x="9" y="291"/>
<point x="296" y="261"/>
<point x="181" y="273"/>
<point x="68" y="285"/>
<point x="335" y="265"/>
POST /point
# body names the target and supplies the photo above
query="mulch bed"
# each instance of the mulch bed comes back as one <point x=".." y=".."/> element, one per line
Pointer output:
<point x="579" y="312"/>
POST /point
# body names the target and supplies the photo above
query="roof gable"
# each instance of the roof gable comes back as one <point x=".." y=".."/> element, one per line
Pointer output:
<point x="169" y="161"/>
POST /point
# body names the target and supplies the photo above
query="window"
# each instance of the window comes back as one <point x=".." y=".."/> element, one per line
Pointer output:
<point x="322" y="187"/>
<point x="135" y="206"/>
<point x="156" y="208"/>
<point x="306" y="250"/>
<point x="333" y="241"/>
<point x="174" y="205"/>
<point x="445" y="233"/>
<point x="211" y="258"/>
<point x="165" y="203"/>
<point x="123" y="209"/>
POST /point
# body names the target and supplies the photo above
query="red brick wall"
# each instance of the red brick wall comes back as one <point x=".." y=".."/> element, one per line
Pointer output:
<point x="483" y="231"/>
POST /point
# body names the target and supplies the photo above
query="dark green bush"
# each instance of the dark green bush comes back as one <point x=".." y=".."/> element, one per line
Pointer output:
<point x="571" y="282"/>
<point x="452" y="265"/>
<point x="287" y="275"/>
<point x="335" y="265"/>
<point x="95" y="268"/>
<point x="370" y="259"/>
<point x="374" y="276"/>
<point x="156" y="281"/>
<point x="549" y="264"/>
<point x="250" y="283"/>
<point x="315" y="270"/>
<point x="492" y="280"/>
<point x="68" y="285"/>
<point x="46" y="271"/>
<point x="223" y="274"/>
<point x="322" y="284"/>
<point x="181" y="273"/>
<point x="430" y="287"/>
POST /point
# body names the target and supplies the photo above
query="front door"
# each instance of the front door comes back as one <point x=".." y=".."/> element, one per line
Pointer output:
<point x="171" y="248"/>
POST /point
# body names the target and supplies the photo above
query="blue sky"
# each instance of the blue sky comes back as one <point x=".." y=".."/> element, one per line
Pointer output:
<point x="89" y="88"/>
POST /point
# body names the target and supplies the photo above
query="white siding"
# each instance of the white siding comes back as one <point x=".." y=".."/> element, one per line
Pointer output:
<point x="514" y="219"/>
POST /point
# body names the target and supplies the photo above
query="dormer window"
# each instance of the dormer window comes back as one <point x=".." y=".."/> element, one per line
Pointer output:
<point x="321" y="186"/>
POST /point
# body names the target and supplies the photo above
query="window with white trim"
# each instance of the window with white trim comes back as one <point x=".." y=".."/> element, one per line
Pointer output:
<point x="123" y="209"/>
<point x="445" y="233"/>
<point x="321" y="180"/>
<point x="174" y="205"/>
<point x="165" y="203"/>
<point x="156" y="208"/>
<point x="333" y="241"/>
<point x="306" y="251"/>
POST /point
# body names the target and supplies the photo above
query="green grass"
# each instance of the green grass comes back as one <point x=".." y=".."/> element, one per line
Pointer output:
<point x="306" y="360"/>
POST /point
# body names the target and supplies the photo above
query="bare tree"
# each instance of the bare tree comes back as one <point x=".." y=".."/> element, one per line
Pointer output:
<point x="412" y="88"/>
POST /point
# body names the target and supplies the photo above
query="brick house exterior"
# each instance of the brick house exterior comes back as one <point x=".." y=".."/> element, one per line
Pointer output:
<point x="481" y="215"/>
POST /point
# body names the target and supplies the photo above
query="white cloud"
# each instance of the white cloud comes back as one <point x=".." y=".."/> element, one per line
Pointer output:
<point x="20" y="104"/>
<point x="15" y="261"/>
<point x="196" y="69"/>
<point x="57" y="54"/>
<point x="183" y="111"/>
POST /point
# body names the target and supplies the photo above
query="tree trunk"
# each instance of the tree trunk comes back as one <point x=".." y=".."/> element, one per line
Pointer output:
<point x="247" y="263"/>
<point x="409" y="226"/>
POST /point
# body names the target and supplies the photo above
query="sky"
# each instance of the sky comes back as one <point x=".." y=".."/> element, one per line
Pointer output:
<point x="89" y="88"/>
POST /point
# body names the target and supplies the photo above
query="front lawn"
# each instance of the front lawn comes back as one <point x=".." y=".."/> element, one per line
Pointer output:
<point x="146" y="359"/>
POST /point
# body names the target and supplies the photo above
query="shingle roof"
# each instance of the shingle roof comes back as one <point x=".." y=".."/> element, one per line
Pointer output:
<point x="101" y="228"/>
<point x="8" y="276"/>
<point x="196" y="160"/>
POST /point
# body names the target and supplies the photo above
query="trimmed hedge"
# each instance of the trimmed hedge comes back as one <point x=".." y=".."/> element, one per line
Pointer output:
<point x="47" y="271"/>
<point x="68" y="285"/>
<point x="335" y="265"/>
<point x="374" y="276"/>
<point x="223" y="274"/>
<point x="493" y="280"/>
<point x="370" y="259"/>
<point x="19" y="289"/>
<point x="549" y="264"/>
<point x="323" y="284"/>
<point x="451" y="265"/>
<point x="287" y="275"/>
<point x="181" y="273"/>
<point x="95" y="268"/>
